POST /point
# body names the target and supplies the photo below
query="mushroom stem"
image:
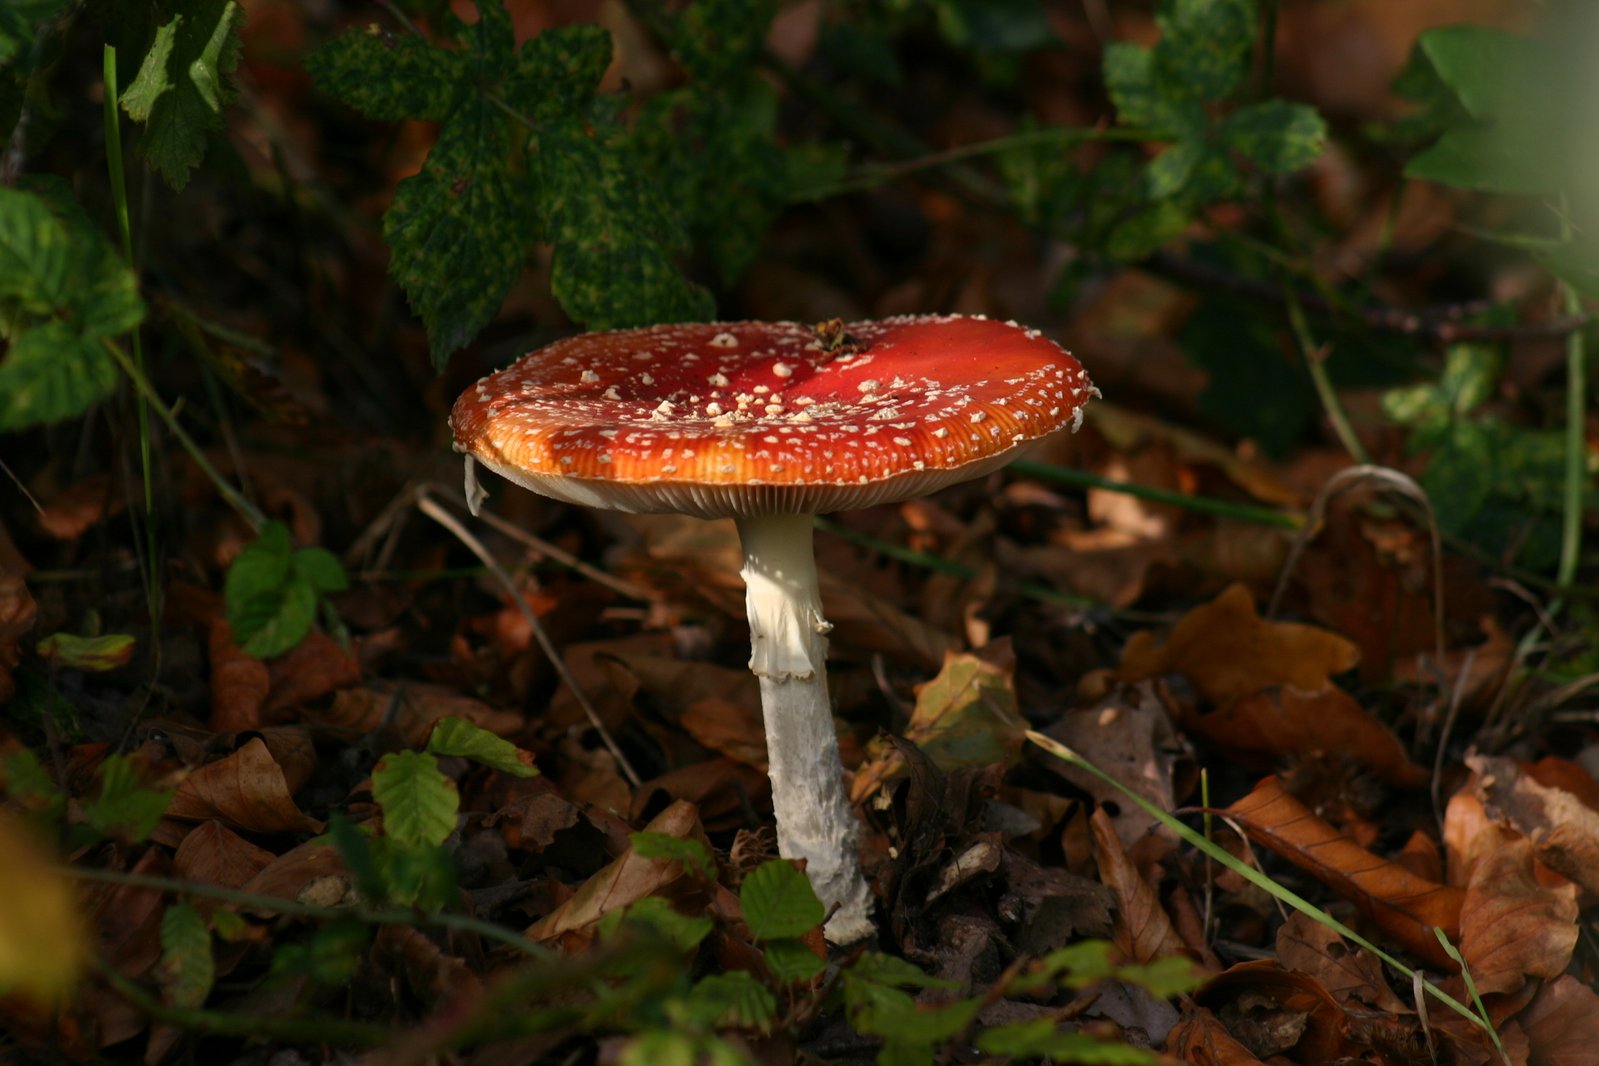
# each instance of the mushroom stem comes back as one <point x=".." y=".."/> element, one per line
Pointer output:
<point x="788" y="653"/>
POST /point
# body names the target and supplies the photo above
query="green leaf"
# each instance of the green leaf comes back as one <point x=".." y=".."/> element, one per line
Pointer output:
<point x="419" y="803"/>
<point x="792" y="960"/>
<point x="662" y="1047"/>
<point x="613" y="232"/>
<point x="24" y="779"/>
<point x="695" y="857"/>
<point x="390" y="77"/>
<point x="684" y="930"/>
<point x="1165" y="977"/>
<point x="1043" y="1039"/>
<point x="778" y="901"/>
<point x="62" y="291"/>
<point x="1203" y="52"/>
<point x="1130" y="79"/>
<point x="1495" y="75"/>
<point x="732" y="999"/>
<point x="1277" y="136"/>
<point x="330" y="959"/>
<point x="1142" y="231"/>
<point x="184" y="83"/>
<point x="1487" y="159"/>
<point x="187" y="970"/>
<point x="272" y="591"/>
<point x="880" y="969"/>
<point x="124" y="809"/>
<point x="1168" y="172"/>
<point x="456" y="736"/>
<point x="97" y="654"/>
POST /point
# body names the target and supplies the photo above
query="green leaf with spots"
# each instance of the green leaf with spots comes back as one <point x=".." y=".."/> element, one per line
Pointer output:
<point x="1278" y="136"/>
<point x="63" y="291"/>
<point x="389" y="76"/>
<point x="419" y="803"/>
<point x="1203" y="52"/>
<point x="184" y="83"/>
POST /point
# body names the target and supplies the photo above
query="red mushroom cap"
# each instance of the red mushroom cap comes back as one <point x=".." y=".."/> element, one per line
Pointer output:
<point x="749" y="418"/>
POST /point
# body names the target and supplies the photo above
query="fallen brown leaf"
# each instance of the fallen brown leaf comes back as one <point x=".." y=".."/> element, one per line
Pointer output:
<point x="1202" y="1040"/>
<point x="409" y="708"/>
<point x="1272" y="1011"/>
<point x="17" y="613"/>
<point x="1143" y="930"/>
<point x="80" y="506"/>
<point x="239" y="682"/>
<point x="1563" y="830"/>
<point x="246" y="790"/>
<point x="1350" y="974"/>
<point x="1129" y="735"/>
<point x="1402" y="905"/>
<point x="1511" y="926"/>
<point x="1228" y="651"/>
<point x="309" y="671"/>
<point x="310" y="873"/>
<point x="213" y="854"/>
<point x="627" y="879"/>
<point x="1562" y="1024"/>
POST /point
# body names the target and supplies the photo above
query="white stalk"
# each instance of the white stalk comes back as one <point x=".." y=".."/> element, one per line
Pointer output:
<point x="788" y="653"/>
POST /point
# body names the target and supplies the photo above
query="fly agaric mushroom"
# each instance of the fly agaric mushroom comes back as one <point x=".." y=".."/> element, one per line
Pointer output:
<point x="770" y="423"/>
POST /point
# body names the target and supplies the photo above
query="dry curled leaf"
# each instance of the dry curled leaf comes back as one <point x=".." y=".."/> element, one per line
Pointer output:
<point x="1404" y="906"/>
<point x="1202" y="1040"/>
<point x="1143" y="929"/>
<point x="1351" y="974"/>
<point x="213" y="854"/>
<point x="1563" y="830"/>
<point x="246" y="790"/>
<point x="1562" y="1024"/>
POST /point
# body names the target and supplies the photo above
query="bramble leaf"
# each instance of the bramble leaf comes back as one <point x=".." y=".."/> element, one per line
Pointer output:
<point x="419" y="803"/>
<point x="778" y="901"/>
<point x="63" y="290"/>
<point x="456" y="736"/>
<point x="184" y="83"/>
<point x="1278" y="136"/>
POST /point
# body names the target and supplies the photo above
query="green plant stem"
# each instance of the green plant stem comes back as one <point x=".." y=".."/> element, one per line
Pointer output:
<point x="247" y="510"/>
<point x="1243" y="512"/>
<point x="876" y="174"/>
<point x="460" y="923"/>
<point x="1576" y="456"/>
<point x="1249" y="873"/>
<point x="1316" y="364"/>
<point x="319" y="1029"/>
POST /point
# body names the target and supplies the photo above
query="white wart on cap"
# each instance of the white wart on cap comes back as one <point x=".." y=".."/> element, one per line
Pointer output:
<point x="739" y="419"/>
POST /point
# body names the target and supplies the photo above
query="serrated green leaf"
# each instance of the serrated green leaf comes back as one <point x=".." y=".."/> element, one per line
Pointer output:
<point x="695" y="857"/>
<point x="52" y="373"/>
<point x="388" y="76"/>
<point x="184" y="83"/>
<point x="456" y="736"/>
<point x="719" y="41"/>
<point x="187" y="970"/>
<point x="878" y="968"/>
<point x="124" y="809"/>
<point x="613" y="233"/>
<point x="458" y="231"/>
<point x="1203" y="52"/>
<point x="419" y="803"/>
<point x="1163" y="978"/>
<point x="1278" y="136"/>
<point x="1130" y="79"/>
<point x="792" y="960"/>
<point x="553" y="76"/>
<point x="97" y="654"/>
<point x="733" y="999"/>
<point x="778" y="901"/>
<point x="320" y="569"/>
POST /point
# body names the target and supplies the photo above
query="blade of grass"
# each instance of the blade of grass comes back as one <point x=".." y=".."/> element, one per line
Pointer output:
<point x="1471" y="987"/>
<point x="1244" y="512"/>
<point x="1249" y="873"/>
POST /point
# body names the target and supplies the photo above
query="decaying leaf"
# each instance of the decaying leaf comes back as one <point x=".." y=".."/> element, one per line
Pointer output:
<point x="1562" y="1024"/>
<point x="1563" y="830"/>
<point x="1404" y="906"/>
<point x="1511" y="926"/>
<point x="1144" y="931"/>
<point x="246" y="790"/>
<point x="1351" y="974"/>
<point x="1202" y="1040"/>
<point x="410" y="709"/>
<point x="213" y="854"/>
<point x="964" y="717"/>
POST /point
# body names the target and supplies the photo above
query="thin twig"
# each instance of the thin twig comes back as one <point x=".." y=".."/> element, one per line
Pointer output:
<point x="430" y="507"/>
